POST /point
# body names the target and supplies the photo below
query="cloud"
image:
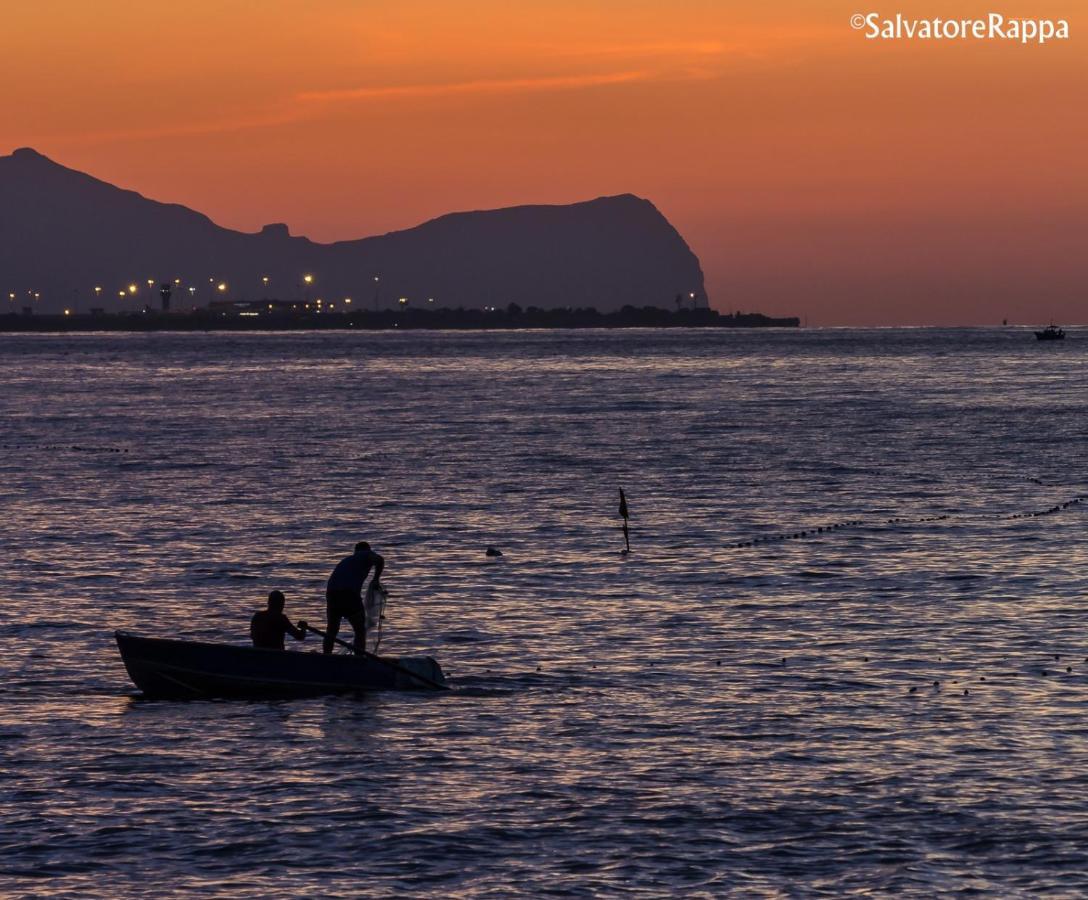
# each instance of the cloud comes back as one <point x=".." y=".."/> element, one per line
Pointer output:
<point x="312" y="104"/>
<point x="645" y="49"/>
<point x="480" y="86"/>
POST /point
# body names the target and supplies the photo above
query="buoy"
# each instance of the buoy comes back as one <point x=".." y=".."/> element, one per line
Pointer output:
<point x="625" y="515"/>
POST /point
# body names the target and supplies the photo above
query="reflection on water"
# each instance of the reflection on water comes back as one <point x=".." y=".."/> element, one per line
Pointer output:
<point x="893" y="705"/>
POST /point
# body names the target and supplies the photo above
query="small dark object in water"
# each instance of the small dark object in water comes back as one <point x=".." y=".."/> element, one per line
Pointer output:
<point x="783" y="660"/>
<point x="625" y="514"/>
<point x="718" y="663"/>
<point x="1045" y="673"/>
<point x="913" y="689"/>
<point x="965" y="692"/>
<point x="936" y="684"/>
<point x="493" y="551"/>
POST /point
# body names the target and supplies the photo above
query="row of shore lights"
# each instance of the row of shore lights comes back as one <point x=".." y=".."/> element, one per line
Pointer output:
<point x="222" y="287"/>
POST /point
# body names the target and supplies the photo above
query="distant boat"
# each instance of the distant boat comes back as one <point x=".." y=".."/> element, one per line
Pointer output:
<point x="189" y="670"/>
<point x="1051" y="333"/>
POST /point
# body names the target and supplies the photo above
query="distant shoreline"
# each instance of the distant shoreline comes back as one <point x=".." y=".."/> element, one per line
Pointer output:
<point x="249" y="317"/>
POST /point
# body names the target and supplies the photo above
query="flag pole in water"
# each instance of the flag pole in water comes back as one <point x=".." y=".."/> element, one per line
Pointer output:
<point x="623" y="512"/>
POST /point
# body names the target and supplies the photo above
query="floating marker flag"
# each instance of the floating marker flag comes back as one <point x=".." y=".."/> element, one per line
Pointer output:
<point x="623" y="512"/>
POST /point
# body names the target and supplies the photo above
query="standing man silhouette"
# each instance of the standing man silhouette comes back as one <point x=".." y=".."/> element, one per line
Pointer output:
<point x="344" y="594"/>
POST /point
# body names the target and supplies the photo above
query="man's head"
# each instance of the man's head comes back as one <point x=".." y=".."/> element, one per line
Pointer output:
<point x="276" y="600"/>
<point x="362" y="547"/>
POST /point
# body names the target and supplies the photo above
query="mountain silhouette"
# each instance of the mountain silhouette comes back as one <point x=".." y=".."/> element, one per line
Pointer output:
<point x="63" y="232"/>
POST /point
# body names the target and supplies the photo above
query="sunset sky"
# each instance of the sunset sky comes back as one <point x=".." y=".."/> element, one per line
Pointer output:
<point x="813" y="171"/>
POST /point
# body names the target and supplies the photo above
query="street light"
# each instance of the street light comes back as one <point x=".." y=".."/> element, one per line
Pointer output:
<point x="221" y="287"/>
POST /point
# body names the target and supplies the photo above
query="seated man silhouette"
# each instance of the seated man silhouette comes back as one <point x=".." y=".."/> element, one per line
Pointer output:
<point x="344" y="594"/>
<point x="268" y="627"/>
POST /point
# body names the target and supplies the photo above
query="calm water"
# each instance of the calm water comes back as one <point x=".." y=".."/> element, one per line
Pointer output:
<point x="877" y="707"/>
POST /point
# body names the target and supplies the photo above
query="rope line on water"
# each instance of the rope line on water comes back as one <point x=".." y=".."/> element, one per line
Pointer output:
<point x="862" y="525"/>
<point x="52" y="448"/>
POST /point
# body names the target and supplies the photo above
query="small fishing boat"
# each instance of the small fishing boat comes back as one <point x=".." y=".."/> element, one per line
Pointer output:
<point x="188" y="670"/>
<point x="1051" y="333"/>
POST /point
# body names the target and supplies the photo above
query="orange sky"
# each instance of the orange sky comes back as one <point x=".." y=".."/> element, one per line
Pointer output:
<point x="813" y="171"/>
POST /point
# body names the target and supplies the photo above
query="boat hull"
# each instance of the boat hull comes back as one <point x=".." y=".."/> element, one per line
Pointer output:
<point x="186" y="670"/>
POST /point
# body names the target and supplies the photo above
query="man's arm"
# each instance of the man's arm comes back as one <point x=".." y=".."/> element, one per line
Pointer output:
<point x="379" y="567"/>
<point x="297" y="633"/>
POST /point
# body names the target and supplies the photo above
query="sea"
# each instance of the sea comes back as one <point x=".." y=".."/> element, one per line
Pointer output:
<point x="847" y="653"/>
